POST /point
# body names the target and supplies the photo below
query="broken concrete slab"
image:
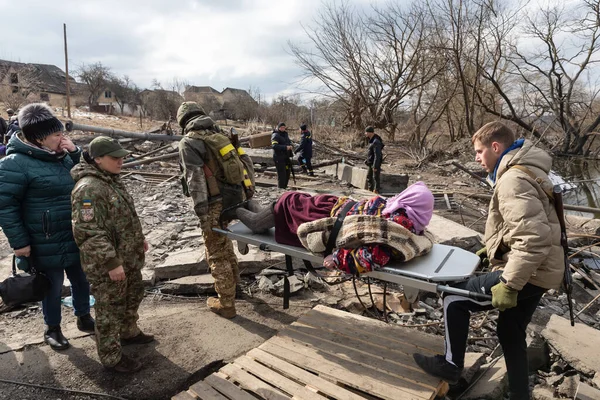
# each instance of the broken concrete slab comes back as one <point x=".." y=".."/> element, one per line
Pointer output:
<point x="596" y="379"/>
<point x="579" y="345"/>
<point x="541" y="392"/>
<point x="148" y="277"/>
<point x="473" y="363"/>
<point x="182" y="263"/>
<point x="586" y="392"/>
<point x="538" y="353"/>
<point x="190" y="285"/>
<point x="591" y="225"/>
<point x="451" y="233"/>
<point x="568" y="387"/>
<point x="492" y="385"/>
<point x="295" y="285"/>
<point x="357" y="177"/>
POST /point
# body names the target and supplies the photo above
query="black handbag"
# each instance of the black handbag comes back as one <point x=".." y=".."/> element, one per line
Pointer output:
<point x="24" y="287"/>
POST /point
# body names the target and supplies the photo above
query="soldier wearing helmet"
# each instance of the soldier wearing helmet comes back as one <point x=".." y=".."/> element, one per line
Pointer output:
<point x="213" y="190"/>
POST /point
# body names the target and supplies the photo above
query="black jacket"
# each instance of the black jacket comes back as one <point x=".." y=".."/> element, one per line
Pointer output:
<point x="279" y="143"/>
<point x="305" y="146"/>
<point x="374" y="156"/>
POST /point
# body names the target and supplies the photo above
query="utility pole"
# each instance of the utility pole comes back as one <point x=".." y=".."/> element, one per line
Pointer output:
<point x="67" y="73"/>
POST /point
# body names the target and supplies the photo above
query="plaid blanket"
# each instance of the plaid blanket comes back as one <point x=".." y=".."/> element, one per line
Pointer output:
<point x="360" y="230"/>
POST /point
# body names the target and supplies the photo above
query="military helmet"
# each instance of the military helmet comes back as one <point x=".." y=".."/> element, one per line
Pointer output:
<point x="188" y="110"/>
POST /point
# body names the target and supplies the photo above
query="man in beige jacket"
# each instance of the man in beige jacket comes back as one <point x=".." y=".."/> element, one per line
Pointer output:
<point x="522" y="236"/>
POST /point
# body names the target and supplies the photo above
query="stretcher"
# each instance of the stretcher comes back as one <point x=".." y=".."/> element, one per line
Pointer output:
<point x="433" y="272"/>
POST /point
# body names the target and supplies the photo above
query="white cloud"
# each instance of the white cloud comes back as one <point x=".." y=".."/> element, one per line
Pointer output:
<point x="237" y="43"/>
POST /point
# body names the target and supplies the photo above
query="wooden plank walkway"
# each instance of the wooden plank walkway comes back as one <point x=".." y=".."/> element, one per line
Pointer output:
<point x="328" y="354"/>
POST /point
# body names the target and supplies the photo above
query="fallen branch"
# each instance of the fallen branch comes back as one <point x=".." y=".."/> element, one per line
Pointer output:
<point x="588" y="305"/>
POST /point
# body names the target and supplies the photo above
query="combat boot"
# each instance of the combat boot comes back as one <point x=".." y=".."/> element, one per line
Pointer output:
<point x="214" y="305"/>
<point x="126" y="365"/>
<point x="140" y="338"/>
<point x="53" y="336"/>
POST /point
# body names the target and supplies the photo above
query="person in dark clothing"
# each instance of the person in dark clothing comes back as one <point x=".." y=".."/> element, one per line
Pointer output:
<point x="13" y="127"/>
<point x="35" y="214"/>
<point x="305" y="150"/>
<point x="3" y="130"/>
<point x="374" y="159"/>
<point x="282" y="151"/>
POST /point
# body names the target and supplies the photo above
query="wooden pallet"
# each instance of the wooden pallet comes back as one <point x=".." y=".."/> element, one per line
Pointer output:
<point x="328" y="354"/>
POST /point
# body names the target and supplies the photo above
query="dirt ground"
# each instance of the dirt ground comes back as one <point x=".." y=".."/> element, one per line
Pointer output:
<point x="190" y="343"/>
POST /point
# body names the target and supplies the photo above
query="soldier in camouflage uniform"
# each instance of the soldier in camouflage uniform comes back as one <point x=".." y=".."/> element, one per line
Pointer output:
<point x="203" y="181"/>
<point x="112" y="246"/>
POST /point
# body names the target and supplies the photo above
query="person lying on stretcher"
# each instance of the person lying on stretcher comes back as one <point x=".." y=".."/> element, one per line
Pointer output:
<point x="373" y="232"/>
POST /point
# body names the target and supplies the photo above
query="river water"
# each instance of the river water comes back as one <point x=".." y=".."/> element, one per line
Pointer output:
<point x="580" y="180"/>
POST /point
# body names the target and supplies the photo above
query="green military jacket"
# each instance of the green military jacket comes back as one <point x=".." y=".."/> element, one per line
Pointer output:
<point x="106" y="226"/>
<point x="194" y="154"/>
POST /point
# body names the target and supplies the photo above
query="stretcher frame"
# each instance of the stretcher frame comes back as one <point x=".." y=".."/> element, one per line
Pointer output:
<point x="431" y="272"/>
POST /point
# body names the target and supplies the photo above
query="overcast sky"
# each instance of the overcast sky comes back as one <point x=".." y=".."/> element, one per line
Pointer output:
<point x="220" y="43"/>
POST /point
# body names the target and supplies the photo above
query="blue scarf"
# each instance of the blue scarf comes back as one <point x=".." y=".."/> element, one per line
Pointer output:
<point x="516" y="145"/>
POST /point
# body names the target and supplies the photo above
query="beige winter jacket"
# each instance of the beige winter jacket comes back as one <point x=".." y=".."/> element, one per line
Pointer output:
<point x="522" y="233"/>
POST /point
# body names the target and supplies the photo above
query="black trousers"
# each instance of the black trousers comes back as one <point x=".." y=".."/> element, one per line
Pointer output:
<point x="512" y="325"/>
<point x="283" y="174"/>
<point x="305" y="163"/>
<point x="374" y="180"/>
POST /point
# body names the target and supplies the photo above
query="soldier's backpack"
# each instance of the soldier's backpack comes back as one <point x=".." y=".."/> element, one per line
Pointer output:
<point x="226" y="155"/>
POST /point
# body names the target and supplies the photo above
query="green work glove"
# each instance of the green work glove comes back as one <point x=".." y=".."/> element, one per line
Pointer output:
<point x="482" y="254"/>
<point x="504" y="297"/>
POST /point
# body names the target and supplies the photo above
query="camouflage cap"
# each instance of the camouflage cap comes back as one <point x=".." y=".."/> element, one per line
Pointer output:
<point x="187" y="110"/>
<point x="105" y="146"/>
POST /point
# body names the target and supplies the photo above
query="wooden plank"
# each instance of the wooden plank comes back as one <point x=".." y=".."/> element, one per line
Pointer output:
<point x="203" y="391"/>
<point x="379" y="358"/>
<point x="227" y="388"/>
<point x="276" y="379"/>
<point x="371" y="330"/>
<point x="333" y="368"/>
<point x="417" y="382"/>
<point x="315" y="381"/>
<point x="183" y="396"/>
<point x="398" y="353"/>
<point x="252" y="383"/>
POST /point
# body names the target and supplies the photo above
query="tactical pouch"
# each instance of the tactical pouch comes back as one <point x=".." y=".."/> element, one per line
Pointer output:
<point x="226" y="155"/>
<point x="211" y="182"/>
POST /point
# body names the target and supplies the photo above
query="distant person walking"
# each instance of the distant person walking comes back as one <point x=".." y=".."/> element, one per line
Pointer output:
<point x="35" y="213"/>
<point x="282" y="151"/>
<point x="374" y="159"/>
<point x="305" y="150"/>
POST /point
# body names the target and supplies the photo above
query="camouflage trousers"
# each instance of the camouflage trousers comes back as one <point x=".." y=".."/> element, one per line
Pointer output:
<point x="117" y="304"/>
<point x="221" y="258"/>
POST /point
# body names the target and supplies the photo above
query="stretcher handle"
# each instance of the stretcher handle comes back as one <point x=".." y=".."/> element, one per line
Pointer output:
<point x="462" y="292"/>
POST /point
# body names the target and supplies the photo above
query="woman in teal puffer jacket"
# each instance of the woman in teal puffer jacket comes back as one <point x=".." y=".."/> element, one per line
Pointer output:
<point x="35" y="213"/>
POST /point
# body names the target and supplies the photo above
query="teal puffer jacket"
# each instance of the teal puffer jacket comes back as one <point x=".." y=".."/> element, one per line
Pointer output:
<point x="35" y="203"/>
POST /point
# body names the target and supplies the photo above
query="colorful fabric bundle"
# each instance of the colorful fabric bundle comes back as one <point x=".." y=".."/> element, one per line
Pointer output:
<point x="365" y="230"/>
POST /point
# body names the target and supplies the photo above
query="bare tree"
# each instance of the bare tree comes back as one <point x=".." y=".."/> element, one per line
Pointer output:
<point x="96" y="78"/>
<point x="124" y="92"/>
<point x="558" y="71"/>
<point x="370" y="64"/>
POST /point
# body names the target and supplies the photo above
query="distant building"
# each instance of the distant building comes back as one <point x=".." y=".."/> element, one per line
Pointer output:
<point x="36" y="82"/>
<point x="230" y="102"/>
